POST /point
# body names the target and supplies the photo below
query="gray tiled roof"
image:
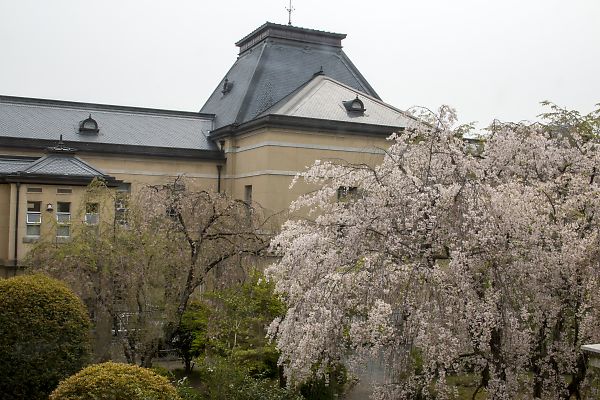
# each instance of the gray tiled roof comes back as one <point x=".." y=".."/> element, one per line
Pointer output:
<point x="62" y="165"/>
<point x="53" y="164"/>
<point x="26" y="118"/>
<point x="12" y="165"/>
<point x="272" y="69"/>
<point x="323" y="97"/>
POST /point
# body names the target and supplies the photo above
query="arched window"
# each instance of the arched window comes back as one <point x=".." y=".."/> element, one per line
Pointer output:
<point x="355" y="106"/>
<point x="88" y="125"/>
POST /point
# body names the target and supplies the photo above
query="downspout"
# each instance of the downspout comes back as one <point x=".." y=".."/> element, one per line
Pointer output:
<point x="219" y="167"/>
<point x="17" y="223"/>
<point x="219" y="178"/>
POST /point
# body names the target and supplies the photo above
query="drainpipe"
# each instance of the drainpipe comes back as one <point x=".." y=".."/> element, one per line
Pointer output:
<point x="17" y="223"/>
<point x="219" y="167"/>
<point x="219" y="178"/>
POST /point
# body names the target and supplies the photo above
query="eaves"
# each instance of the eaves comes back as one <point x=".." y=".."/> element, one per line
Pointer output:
<point x="304" y="124"/>
<point x="57" y="179"/>
<point x="149" y="151"/>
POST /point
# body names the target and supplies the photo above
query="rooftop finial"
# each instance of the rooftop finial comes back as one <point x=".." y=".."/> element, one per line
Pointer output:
<point x="290" y="9"/>
<point x="60" y="147"/>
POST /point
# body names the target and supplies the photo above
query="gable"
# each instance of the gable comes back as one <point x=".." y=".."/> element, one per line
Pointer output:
<point x="324" y="97"/>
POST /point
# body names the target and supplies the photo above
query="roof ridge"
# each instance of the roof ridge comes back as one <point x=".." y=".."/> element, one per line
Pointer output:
<point x="288" y="96"/>
<point x="244" y="103"/>
<point x="51" y="103"/>
<point x="357" y="75"/>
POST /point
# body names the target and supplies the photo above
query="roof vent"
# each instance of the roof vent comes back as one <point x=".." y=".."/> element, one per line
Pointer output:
<point x="227" y="86"/>
<point x="355" y="106"/>
<point x="88" y="125"/>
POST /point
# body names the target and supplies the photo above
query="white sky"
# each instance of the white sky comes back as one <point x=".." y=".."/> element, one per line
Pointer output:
<point x="489" y="59"/>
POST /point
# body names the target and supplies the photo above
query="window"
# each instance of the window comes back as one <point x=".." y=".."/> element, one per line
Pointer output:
<point x="355" y="106"/>
<point x="92" y="216"/>
<point x="227" y="86"/>
<point x="88" y="125"/>
<point x="34" y="190"/>
<point x="64" y="190"/>
<point x="63" y="217"/>
<point x="34" y="218"/>
<point x="248" y="194"/>
<point x="345" y="193"/>
<point x="172" y="212"/>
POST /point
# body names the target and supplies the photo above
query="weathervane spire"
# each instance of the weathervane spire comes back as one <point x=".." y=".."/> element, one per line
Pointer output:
<point x="290" y="9"/>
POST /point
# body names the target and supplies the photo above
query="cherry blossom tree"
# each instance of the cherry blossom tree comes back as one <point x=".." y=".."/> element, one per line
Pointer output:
<point x="450" y="257"/>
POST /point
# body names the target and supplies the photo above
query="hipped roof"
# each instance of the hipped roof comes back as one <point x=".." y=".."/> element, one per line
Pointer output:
<point x="275" y="61"/>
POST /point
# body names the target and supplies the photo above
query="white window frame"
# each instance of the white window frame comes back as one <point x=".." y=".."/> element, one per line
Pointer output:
<point x="92" y="218"/>
<point x="63" y="219"/>
<point x="33" y="222"/>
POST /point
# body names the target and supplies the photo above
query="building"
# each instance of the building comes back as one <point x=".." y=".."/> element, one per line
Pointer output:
<point x="291" y="97"/>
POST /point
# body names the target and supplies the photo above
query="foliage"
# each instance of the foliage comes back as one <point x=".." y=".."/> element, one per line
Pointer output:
<point x="137" y="272"/>
<point x="226" y="330"/>
<point x="191" y="338"/>
<point x="227" y="381"/>
<point x="115" y="381"/>
<point x="44" y="335"/>
<point x="449" y="261"/>
<point x="231" y="323"/>
<point x="326" y="387"/>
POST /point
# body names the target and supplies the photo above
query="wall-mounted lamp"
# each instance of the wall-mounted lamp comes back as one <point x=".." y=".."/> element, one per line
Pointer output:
<point x="49" y="207"/>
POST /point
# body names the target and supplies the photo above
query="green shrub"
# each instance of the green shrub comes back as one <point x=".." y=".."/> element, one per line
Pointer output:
<point x="115" y="381"/>
<point x="225" y="380"/>
<point x="260" y="362"/>
<point x="44" y="336"/>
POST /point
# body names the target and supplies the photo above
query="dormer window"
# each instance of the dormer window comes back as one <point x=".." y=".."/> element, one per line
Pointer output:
<point x="355" y="106"/>
<point x="227" y="86"/>
<point x="88" y="125"/>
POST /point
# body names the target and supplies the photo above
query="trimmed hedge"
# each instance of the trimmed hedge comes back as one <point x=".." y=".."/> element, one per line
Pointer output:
<point x="115" y="381"/>
<point x="44" y="336"/>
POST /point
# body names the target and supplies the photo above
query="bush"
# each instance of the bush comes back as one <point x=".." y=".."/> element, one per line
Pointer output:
<point x="44" y="336"/>
<point x="115" y="381"/>
<point x="227" y="381"/>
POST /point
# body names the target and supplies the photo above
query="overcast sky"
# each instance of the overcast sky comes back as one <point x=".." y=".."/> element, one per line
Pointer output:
<point x="489" y="59"/>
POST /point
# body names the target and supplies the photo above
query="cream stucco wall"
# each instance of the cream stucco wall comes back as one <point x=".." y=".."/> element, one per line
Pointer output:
<point x="268" y="159"/>
<point x="138" y="171"/>
<point x="5" y="192"/>
<point x="142" y="170"/>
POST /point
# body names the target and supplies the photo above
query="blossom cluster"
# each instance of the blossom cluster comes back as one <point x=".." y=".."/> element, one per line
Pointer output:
<point x="450" y="258"/>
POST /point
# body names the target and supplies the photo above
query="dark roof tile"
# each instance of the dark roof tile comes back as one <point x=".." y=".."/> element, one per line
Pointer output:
<point x="271" y="69"/>
<point x="27" y="118"/>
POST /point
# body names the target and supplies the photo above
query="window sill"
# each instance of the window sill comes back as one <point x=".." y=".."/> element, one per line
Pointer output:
<point x="63" y="239"/>
<point x="31" y="239"/>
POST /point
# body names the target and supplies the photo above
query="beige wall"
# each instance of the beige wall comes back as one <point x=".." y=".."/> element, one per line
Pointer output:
<point x="268" y="159"/>
<point x="5" y="192"/>
<point x="137" y="170"/>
